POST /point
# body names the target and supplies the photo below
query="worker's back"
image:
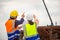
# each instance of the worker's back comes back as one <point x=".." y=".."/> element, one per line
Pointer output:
<point x="9" y="25"/>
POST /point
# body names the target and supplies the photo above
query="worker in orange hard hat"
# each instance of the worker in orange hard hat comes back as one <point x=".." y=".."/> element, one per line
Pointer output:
<point x="12" y="25"/>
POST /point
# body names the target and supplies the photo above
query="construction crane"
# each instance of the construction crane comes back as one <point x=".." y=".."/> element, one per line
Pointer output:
<point x="48" y="13"/>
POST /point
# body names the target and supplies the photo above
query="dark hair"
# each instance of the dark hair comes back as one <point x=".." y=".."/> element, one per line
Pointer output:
<point x="30" y="22"/>
<point x="13" y="17"/>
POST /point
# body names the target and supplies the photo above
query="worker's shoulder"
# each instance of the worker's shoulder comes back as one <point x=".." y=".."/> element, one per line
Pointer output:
<point x="9" y="21"/>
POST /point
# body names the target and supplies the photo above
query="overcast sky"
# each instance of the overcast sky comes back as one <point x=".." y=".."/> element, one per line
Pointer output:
<point x="30" y="6"/>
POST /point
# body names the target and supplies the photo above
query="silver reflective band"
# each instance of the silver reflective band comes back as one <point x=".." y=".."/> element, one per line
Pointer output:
<point x="10" y="37"/>
<point x="13" y="25"/>
<point x="14" y="35"/>
<point x="30" y="36"/>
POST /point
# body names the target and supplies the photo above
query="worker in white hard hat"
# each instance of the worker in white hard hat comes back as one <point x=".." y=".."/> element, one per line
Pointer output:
<point x="12" y="25"/>
<point x="30" y="28"/>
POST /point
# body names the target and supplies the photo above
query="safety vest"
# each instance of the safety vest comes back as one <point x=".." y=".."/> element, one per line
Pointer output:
<point x="31" y="30"/>
<point x="10" y="26"/>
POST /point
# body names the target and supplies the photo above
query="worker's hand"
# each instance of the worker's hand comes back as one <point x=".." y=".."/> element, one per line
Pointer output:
<point x="19" y="26"/>
<point x="34" y="16"/>
<point x="36" y="20"/>
<point x="23" y="15"/>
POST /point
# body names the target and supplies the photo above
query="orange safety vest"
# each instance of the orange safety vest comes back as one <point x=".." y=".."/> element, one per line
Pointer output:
<point x="8" y="25"/>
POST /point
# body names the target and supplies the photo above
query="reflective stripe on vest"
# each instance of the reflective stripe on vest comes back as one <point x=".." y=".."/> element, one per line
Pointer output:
<point x="13" y="25"/>
<point x="31" y="30"/>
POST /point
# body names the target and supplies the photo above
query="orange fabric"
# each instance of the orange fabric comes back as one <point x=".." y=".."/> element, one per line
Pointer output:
<point x="8" y="25"/>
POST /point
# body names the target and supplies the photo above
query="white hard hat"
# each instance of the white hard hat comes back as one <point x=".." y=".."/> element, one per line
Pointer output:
<point x="29" y="16"/>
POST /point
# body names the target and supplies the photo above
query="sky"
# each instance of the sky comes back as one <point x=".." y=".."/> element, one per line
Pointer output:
<point x="29" y="6"/>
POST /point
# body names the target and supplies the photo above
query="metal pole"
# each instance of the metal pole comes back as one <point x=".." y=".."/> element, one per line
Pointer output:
<point x="48" y="13"/>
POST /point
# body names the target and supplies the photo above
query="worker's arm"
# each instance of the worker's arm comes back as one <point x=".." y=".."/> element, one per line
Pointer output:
<point x="18" y="22"/>
<point x="36" y="20"/>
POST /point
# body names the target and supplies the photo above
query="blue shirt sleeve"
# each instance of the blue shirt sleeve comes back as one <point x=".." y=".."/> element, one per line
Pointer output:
<point x="17" y="22"/>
